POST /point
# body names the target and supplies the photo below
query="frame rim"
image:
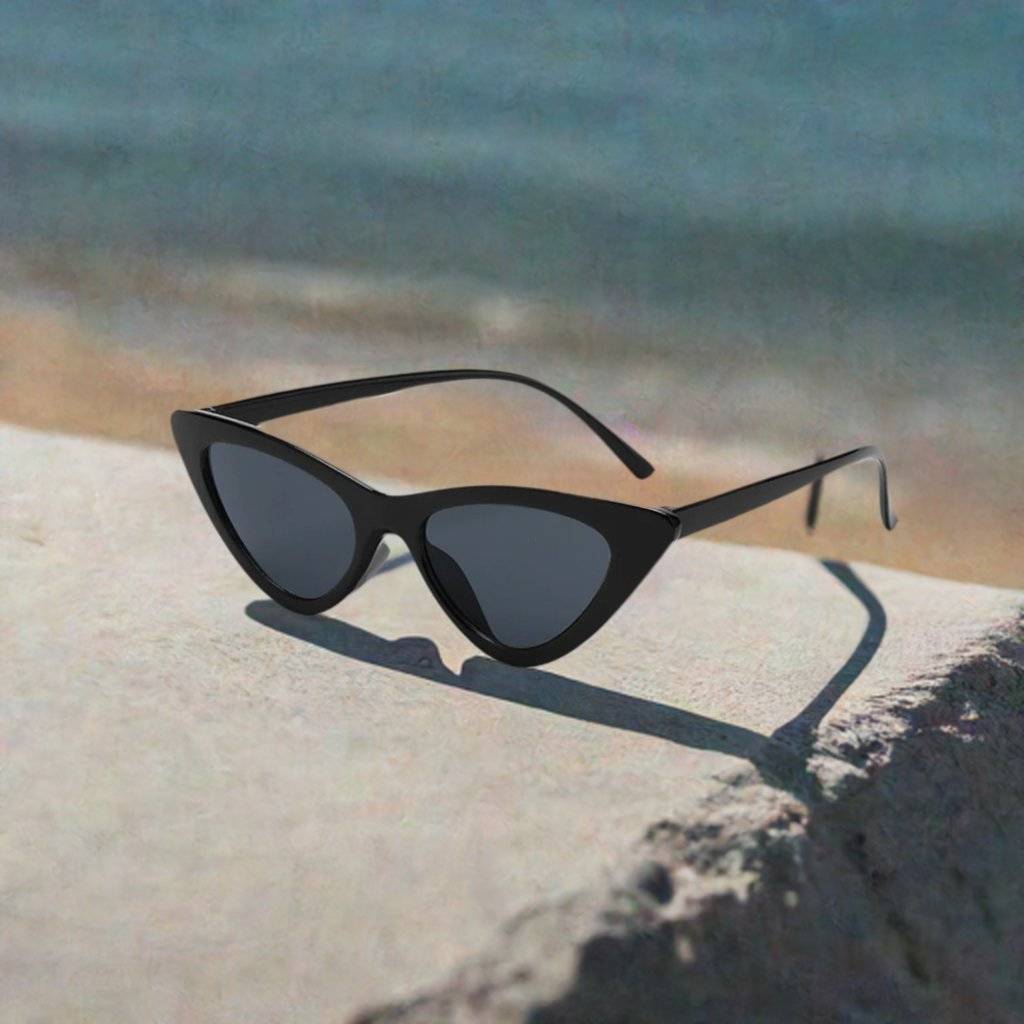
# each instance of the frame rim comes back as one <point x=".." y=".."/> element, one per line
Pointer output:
<point x="636" y="535"/>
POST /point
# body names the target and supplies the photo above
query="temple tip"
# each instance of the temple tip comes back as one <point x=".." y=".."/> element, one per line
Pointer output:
<point x="641" y="468"/>
<point x="625" y="453"/>
<point x="813" y="502"/>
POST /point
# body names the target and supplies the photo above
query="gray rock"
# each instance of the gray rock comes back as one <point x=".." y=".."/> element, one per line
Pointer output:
<point x="771" y="789"/>
<point x="895" y="895"/>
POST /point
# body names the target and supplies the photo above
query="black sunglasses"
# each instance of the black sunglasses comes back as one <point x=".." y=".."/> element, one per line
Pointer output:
<point x="526" y="574"/>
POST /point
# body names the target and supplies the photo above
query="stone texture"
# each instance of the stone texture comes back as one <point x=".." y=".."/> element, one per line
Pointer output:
<point x="770" y="788"/>
<point x="893" y="893"/>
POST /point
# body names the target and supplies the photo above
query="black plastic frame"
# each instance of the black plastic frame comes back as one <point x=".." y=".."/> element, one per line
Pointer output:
<point x="637" y="536"/>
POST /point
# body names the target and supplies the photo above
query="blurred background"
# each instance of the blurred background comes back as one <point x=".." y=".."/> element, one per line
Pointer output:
<point x="744" y="234"/>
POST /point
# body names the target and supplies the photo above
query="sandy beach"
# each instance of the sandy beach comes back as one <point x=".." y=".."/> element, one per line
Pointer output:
<point x="92" y="354"/>
<point x="784" y="783"/>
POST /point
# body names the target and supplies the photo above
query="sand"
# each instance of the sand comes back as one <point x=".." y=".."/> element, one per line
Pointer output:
<point x="112" y="367"/>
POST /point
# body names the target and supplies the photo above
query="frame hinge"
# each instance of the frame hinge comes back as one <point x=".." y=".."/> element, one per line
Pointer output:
<point x="671" y="513"/>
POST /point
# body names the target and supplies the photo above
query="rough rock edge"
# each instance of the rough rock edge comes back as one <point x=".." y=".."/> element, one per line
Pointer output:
<point x="874" y="874"/>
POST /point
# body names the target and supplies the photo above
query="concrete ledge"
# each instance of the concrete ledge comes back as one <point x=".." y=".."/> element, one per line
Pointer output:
<point x="220" y="811"/>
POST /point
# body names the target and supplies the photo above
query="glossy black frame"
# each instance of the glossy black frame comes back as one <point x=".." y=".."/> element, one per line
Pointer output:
<point x="637" y="536"/>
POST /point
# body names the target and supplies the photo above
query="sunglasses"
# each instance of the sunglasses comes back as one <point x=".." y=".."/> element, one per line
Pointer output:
<point x="527" y="575"/>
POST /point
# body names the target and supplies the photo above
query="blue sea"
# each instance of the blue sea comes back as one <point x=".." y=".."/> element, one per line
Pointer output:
<point x="776" y="178"/>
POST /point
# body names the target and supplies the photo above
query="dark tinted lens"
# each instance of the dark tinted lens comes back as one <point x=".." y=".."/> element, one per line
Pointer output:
<point x="521" y="575"/>
<point x="296" y="529"/>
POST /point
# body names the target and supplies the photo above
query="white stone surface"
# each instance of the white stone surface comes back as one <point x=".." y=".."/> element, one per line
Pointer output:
<point x="215" y="810"/>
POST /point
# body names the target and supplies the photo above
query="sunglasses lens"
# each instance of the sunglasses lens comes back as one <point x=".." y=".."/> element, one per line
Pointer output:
<point x="296" y="529"/>
<point x="520" y="575"/>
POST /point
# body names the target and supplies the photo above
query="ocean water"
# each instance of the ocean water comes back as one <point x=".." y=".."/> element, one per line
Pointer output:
<point x="780" y="179"/>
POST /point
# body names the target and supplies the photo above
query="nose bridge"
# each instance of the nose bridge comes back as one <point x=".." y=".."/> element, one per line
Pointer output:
<point x="396" y="514"/>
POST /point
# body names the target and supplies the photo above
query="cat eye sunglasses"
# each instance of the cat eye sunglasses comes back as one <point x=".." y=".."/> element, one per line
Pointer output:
<point x="527" y="575"/>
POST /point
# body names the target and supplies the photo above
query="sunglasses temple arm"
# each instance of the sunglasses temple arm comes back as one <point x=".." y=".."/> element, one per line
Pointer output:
<point x="288" y="403"/>
<point x="712" y="511"/>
